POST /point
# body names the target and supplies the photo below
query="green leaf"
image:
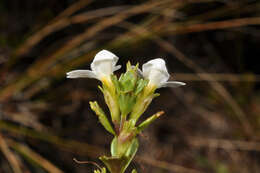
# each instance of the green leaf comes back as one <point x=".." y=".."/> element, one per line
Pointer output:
<point x="131" y="152"/>
<point x="110" y="96"/>
<point x="129" y="126"/>
<point x="148" y="121"/>
<point x="119" y="148"/>
<point x="127" y="81"/>
<point x="102" y="117"/>
<point x="119" y="164"/>
<point x="134" y="171"/>
<point x="113" y="147"/>
<point x="115" y="82"/>
<point x="126" y="103"/>
<point x="140" y="106"/>
<point x="141" y="83"/>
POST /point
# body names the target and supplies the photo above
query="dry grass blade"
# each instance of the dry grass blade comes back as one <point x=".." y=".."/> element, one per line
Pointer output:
<point x="54" y="25"/>
<point x="224" y="144"/>
<point x="72" y="9"/>
<point x="190" y="28"/>
<point x="240" y="8"/>
<point x="67" y="145"/>
<point x="166" y="165"/>
<point x="14" y="163"/>
<point x="223" y="77"/>
<point x="33" y="156"/>
<point x="63" y="23"/>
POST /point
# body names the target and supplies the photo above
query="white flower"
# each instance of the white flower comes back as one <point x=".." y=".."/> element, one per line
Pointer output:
<point x="156" y="72"/>
<point x="103" y="65"/>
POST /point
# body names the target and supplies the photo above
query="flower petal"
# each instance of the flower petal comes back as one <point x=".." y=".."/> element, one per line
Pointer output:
<point x="173" y="84"/>
<point x="104" y="55"/>
<point x="146" y="68"/>
<point x="155" y="70"/>
<point x="81" y="74"/>
<point x="104" y="64"/>
<point x="117" y="68"/>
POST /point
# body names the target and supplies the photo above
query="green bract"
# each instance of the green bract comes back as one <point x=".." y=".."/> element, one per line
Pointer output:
<point x="127" y="98"/>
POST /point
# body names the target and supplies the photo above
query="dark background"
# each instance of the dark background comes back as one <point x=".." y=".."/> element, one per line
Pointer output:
<point x="210" y="125"/>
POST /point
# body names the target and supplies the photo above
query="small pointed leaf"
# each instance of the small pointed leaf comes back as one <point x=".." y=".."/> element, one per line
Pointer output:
<point x="148" y="121"/>
<point x="141" y="83"/>
<point x="102" y="117"/>
<point x="131" y="152"/>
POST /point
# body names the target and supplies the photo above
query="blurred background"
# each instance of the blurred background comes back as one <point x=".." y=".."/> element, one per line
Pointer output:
<point x="212" y="125"/>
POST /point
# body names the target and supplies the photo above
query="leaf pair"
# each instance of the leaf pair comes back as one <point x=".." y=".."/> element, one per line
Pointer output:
<point x="118" y="164"/>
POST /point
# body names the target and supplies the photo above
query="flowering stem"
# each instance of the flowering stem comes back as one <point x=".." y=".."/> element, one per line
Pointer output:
<point x="130" y="94"/>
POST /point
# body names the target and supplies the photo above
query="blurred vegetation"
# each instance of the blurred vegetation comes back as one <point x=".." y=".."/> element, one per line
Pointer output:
<point x="210" y="125"/>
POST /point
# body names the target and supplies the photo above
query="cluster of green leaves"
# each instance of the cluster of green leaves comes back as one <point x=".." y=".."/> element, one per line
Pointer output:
<point x="128" y="86"/>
